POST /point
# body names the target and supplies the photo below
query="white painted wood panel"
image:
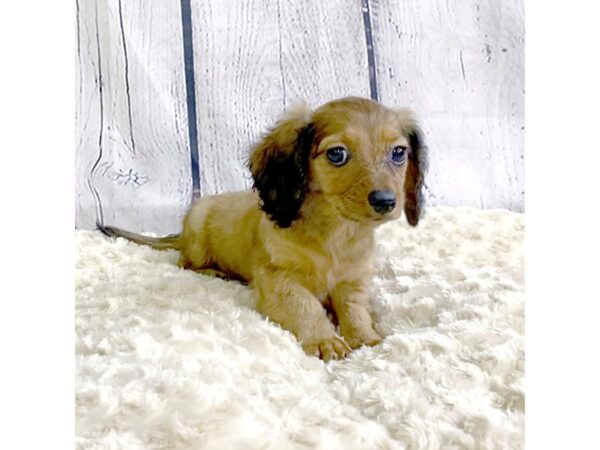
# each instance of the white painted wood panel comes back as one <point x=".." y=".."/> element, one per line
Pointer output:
<point x="460" y="65"/>
<point x="323" y="51"/>
<point x="87" y="113"/>
<point x="132" y="122"/>
<point x="255" y="58"/>
<point x="239" y="90"/>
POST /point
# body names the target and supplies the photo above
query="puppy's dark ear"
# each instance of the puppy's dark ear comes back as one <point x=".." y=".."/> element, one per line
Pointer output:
<point x="416" y="170"/>
<point x="279" y="165"/>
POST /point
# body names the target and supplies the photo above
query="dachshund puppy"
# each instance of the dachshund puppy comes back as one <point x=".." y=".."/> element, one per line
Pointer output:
<point x="304" y="237"/>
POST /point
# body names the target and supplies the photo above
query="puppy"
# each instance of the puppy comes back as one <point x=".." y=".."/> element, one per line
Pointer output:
<point x="304" y="236"/>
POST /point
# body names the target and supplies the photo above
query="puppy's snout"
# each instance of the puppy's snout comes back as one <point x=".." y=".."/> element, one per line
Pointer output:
<point x="382" y="201"/>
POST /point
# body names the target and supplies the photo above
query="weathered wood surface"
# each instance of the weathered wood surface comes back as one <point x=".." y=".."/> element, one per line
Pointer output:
<point x="254" y="59"/>
<point x="132" y="141"/>
<point x="87" y="113"/>
<point x="459" y="65"/>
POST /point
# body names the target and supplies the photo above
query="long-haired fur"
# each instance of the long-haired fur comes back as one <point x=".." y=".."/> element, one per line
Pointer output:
<point x="304" y="236"/>
<point x="279" y="167"/>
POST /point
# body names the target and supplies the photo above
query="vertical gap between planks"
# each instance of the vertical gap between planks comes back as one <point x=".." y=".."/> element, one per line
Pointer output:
<point x="127" y="89"/>
<point x="90" y="178"/>
<point x="366" y="13"/>
<point x="190" y="88"/>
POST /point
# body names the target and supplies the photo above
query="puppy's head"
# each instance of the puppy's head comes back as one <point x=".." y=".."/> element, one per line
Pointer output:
<point x="367" y="161"/>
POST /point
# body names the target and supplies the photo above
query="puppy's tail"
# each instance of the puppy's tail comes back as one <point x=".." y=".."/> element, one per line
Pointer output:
<point x="160" y="243"/>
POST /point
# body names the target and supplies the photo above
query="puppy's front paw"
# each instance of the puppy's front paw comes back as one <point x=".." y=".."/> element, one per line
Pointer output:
<point x="327" y="348"/>
<point x="357" y="339"/>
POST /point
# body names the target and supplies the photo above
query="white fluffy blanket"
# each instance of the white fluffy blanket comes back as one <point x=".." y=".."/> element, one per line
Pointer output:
<point x="170" y="359"/>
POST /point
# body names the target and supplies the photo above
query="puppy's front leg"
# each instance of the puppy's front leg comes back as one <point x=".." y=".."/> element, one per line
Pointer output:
<point x="283" y="299"/>
<point x="351" y="302"/>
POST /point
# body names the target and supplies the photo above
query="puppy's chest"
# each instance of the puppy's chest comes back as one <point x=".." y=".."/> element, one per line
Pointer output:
<point x="340" y="259"/>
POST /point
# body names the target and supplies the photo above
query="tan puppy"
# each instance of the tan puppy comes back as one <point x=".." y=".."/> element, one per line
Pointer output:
<point x="303" y="238"/>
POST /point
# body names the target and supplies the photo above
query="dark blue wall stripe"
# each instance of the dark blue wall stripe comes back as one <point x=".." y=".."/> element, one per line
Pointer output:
<point x="190" y="87"/>
<point x="366" y="8"/>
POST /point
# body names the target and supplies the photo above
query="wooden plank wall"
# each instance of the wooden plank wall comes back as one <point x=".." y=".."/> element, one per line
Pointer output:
<point x="133" y="161"/>
<point x="459" y="65"/>
<point x="257" y="57"/>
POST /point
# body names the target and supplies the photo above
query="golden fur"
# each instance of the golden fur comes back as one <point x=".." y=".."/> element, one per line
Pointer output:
<point x="304" y="237"/>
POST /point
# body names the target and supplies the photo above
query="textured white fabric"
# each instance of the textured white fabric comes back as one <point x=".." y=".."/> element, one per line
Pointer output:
<point x="171" y="359"/>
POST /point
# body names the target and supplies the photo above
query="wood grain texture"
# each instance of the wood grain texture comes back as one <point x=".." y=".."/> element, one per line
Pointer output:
<point x="238" y="85"/>
<point x="254" y="59"/>
<point x="133" y="143"/>
<point x="323" y="51"/>
<point x="87" y="113"/>
<point x="460" y="66"/>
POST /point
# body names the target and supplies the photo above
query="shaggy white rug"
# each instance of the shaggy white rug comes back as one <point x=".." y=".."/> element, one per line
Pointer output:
<point x="170" y="359"/>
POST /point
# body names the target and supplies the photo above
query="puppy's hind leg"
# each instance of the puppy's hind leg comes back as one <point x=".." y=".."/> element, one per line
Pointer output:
<point x="194" y="242"/>
<point x="194" y="257"/>
<point x="186" y="263"/>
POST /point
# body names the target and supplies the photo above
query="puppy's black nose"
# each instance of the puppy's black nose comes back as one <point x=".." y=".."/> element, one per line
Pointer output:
<point x="382" y="201"/>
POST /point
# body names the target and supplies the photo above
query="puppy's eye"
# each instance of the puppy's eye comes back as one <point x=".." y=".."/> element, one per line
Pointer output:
<point x="398" y="155"/>
<point x="338" y="156"/>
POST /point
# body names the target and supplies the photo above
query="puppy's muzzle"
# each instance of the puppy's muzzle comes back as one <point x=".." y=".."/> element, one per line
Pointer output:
<point x="382" y="201"/>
